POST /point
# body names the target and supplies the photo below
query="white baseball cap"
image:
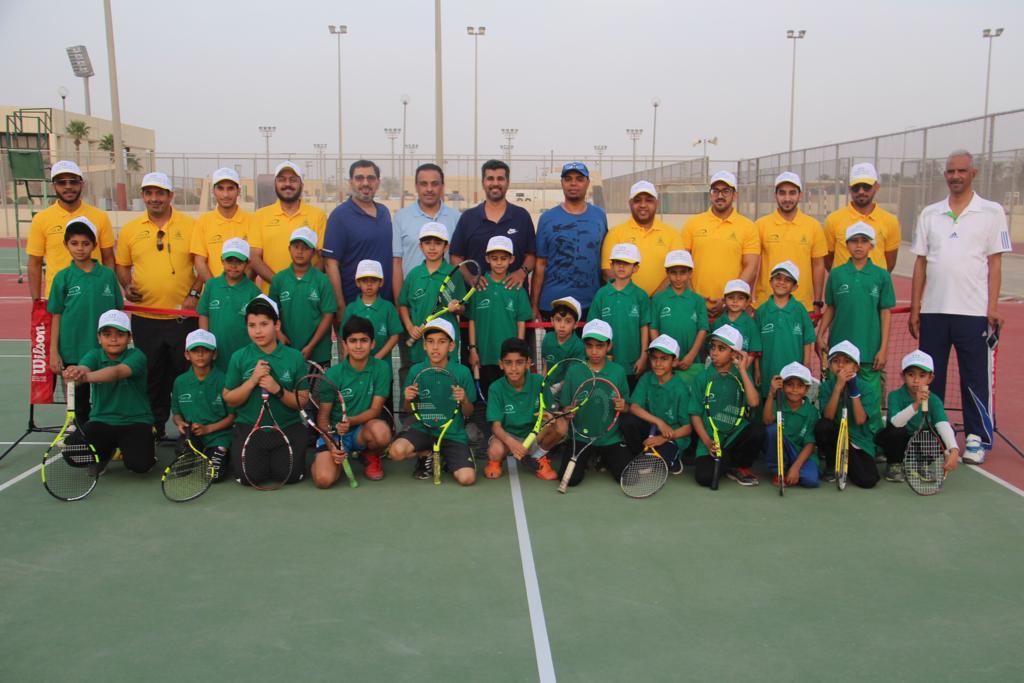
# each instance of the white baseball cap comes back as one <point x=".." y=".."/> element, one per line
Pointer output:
<point x="789" y="268"/>
<point x="860" y="228"/>
<point x="736" y="287"/>
<point x="641" y="187"/>
<point x="665" y="344"/>
<point x="157" y="179"/>
<point x="863" y="173"/>
<point x="266" y="299"/>
<point x="440" y="324"/>
<point x="788" y="177"/>
<point x="796" y="370"/>
<point x="305" y="235"/>
<point x="625" y="252"/>
<point x="65" y="167"/>
<point x="119" y="320"/>
<point x="236" y="247"/>
<point x="202" y="338"/>
<point x="847" y="349"/>
<point x="570" y="301"/>
<point x="226" y="174"/>
<point x="679" y="257"/>
<point x="724" y="177"/>
<point x="288" y="164"/>
<point x="499" y="243"/>
<point x="918" y="359"/>
<point x="87" y="223"/>
<point x="730" y="336"/>
<point x="369" y="268"/>
<point x="597" y="329"/>
<point x="434" y="229"/>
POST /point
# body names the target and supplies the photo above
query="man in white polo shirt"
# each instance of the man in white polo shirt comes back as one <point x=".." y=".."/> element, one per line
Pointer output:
<point x="959" y="244"/>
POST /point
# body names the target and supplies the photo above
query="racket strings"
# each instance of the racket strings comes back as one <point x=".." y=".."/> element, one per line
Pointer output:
<point x="267" y="456"/>
<point x="70" y="472"/>
<point x="595" y="415"/>
<point x="923" y="464"/>
<point x="644" y="475"/>
<point x="188" y="476"/>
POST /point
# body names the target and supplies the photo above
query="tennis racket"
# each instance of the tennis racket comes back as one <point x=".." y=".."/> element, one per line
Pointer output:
<point x="925" y="457"/>
<point x="551" y="386"/>
<point x="323" y="409"/>
<point x="645" y="474"/>
<point x="780" y="453"/>
<point x="594" y="416"/>
<point x="476" y="380"/>
<point x="723" y="417"/>
<point x="191" y="473"/>
<point x="435" y="407"/>
<point x="71" y="467"/>
<point x="843" y="447"/>
<point x="267" y="458"/>
<point x="446" y="294"/>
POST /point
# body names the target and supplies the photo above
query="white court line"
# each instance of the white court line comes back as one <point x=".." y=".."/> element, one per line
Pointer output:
<point x="23" y="475"/>
<point x="14" y="355"/>
<point x="26" y="443"/>
<point x="1002" y="482"/>
<point x="541" y="646"/>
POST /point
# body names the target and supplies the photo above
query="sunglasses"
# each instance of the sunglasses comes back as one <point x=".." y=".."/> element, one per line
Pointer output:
<point x="67" y="182"/>
<point x="861" y="187"/>
<point x="160" y="235"/>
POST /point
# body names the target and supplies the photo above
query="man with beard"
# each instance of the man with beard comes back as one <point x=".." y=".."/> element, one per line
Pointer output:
<point x="154" y="265"/>
<point x="788" y="234"/>
<point x="569" y="240"/>
<point x="652" y="237"/>
<point x="359" y="229"/>
<point x="272" y="226"/>
<point x="216" y="227"/>
<point x="495" y="217"/>
<point x="863" y="209"/>
<point x="46" y="234"/>
<point x="723" y="243"/>
<point x="428" y="208"/>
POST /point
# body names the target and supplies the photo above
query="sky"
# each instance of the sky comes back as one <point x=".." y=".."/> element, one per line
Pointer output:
<point x="568" y="74"/>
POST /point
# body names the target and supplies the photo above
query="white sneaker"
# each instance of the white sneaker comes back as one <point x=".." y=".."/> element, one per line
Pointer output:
<point x="973" y="454"/>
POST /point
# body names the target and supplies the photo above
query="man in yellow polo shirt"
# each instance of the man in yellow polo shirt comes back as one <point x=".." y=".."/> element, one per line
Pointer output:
<point x="724" y="244"/>
<point x="788" y="234"/>
<point x="46" y="234"/>
<point x="272" y="226"/>
<point x="216" y="227"/>
<point x="653" y="238"/>
<point x="154" y="265"/>
<point x="862" y="208"/>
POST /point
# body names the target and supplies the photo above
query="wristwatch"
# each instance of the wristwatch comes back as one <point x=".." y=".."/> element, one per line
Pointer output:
<point x="279" y="393"/>
<point x="818" y="304"/>
<point x="193" y="293"/>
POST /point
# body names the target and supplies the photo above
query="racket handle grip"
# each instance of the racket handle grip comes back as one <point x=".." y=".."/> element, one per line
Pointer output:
<point x="69" y="390"/>
<point x="529" y="440"/>
<point x="716" y="474"/>
<point x="264" y="394"/>
<point x="924" y="406"/>
<point x="563" y="485"/>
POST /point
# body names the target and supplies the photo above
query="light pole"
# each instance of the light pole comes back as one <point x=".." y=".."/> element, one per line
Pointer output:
<point x="392" y="134"/>
<point x="81" y="65"/>
<point x="320" y="147"/>
<point x="655" y="102"/>
<point x="339" y="31"/>
<point x="438" y="90"/>
<point x="476" y="33"/>
<point x="600" y="149"/>
<point x="266" y="132"/>
<point x="507" y="149"/>
<point x="405" y="127"/>
<point x="634" y="135"/>
<point x="410" y="151"/>
<point x="705" y="142"/>
<point x="793" y="35"/>
<point x="509" y="134"/>
<point x="63" y="92"/>
<point x="990" y="34"/>
<point x="115" y="110"/>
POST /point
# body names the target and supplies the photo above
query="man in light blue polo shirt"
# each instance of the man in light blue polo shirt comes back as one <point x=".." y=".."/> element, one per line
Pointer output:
<point x="429" y="207"/>
<point x="569" y="238"/>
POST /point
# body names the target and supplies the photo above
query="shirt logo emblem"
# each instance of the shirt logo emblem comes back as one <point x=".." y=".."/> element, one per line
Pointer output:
<point x="314" y="296"/>
<point x="798" y="329"/>
<point x="843" y="289"/>
<point x="634" y="312"/>
<point x="285" y="296"/>
<point x="215" y="304"/>
<point x="954" y="236"/>
<point x="287" y="376"/>
<point x="768" y="328"/>
<point x="509" y="409"/>
<point x="483" y="304"/>
<point x="185" y="398"/>
<point x="74" y="291"/>
<point x="511" y="231"/>
<point x="666" y="312"/>
<point x="107" y="291"/>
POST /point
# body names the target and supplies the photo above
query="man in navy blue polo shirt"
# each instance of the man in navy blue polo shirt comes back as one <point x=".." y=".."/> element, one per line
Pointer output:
<point x="494" y="217"/>
<point x="569" y="238"/>
<point x="358" y="228"/>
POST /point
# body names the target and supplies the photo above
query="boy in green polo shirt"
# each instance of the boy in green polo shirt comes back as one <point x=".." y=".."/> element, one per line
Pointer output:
<point x="787" y="333"/>
<point x="496" y="313"/>
<point x="561" y="341"/>
<point x="365" y="383"/>
<point x="905" y="417"/>
<point x="512" y="405"/>
<point x="626" y="308"/>
<point x="197" y="399"/>
<point x="421" y="289"/>
<point x="221" y="308"/>
<point x="80" y="293"/>
<point x="661" y="400"/>
<point x="306" y="300"/>
<point x="439" y="343"/>
<point x="799" y="417"/>
<point x="864" y="414"/>
<point x="379" y="311"/>
<point x="121" y="417"/>
<point x="681" y="313"/>
<point x="737" y="301"/>
<point x="265" y="365"/>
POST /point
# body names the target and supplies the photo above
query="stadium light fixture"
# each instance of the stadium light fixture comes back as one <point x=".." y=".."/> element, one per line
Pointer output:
<point x="793" y="35"/>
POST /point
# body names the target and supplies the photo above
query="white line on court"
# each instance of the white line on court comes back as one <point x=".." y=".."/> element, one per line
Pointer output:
<point x="15" y="355"/>
<point x="541" y="646"/>
<point x="23" y="475"/>
<point x="26" y="443"/>
<point x="1002" y="482"/>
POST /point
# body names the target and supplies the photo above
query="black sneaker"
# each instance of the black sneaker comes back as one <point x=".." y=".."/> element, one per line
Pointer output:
<point x="743" y="476"/>
<point x="828" y="475"/>
<point x="424" y="469"/>
<point x="217" y="463"/>
<point x="676" y="466"/>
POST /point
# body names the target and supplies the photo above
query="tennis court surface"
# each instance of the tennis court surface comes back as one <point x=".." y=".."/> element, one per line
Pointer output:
<point x="401" y="580"/>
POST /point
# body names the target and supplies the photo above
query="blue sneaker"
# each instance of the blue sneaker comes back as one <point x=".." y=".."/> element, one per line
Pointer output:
<point x="973" y="454"/>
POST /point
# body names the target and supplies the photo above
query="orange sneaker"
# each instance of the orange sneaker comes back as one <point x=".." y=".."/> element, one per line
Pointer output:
<point x="374" y="470"/>
<point x="493" y="469"/>
<point x="544" y="470"/>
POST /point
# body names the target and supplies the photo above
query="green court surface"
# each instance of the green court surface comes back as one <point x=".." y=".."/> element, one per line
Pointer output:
<point x="400" y="580"/>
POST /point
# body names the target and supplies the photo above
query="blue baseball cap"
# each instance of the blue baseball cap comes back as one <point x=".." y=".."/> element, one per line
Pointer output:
<point x="577" y="166"/>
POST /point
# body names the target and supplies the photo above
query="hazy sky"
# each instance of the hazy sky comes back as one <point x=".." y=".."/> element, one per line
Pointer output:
<point x="568" y="75"/>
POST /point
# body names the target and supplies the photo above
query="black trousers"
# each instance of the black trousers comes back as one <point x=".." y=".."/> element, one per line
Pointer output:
<point x="740" y="452"/>
<point x="861" y="467"/>
<point x="614" y="456"/>
<point x="163" y="343"/>
<point x="636" y="431"/>
<point x="134" y="440"/>
<point x="893" y="442"/>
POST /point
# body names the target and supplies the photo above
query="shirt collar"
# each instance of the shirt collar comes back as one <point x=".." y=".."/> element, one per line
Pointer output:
<point x="440" y="211"/>
<point x="279" y="209"/>
<point x="973" y="205"/>
<point x="172" y="219"/>
<point x="870" y="216"/>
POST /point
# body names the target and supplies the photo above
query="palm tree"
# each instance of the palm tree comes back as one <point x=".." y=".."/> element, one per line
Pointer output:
<point x="131" y="161"/>
<point x="77" y="130"/>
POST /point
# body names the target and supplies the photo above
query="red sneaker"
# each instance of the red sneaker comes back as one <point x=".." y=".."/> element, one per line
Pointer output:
<point x="493" y="469"/>
<point x="374" y="470"/>
<point x="544" y="469"/>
